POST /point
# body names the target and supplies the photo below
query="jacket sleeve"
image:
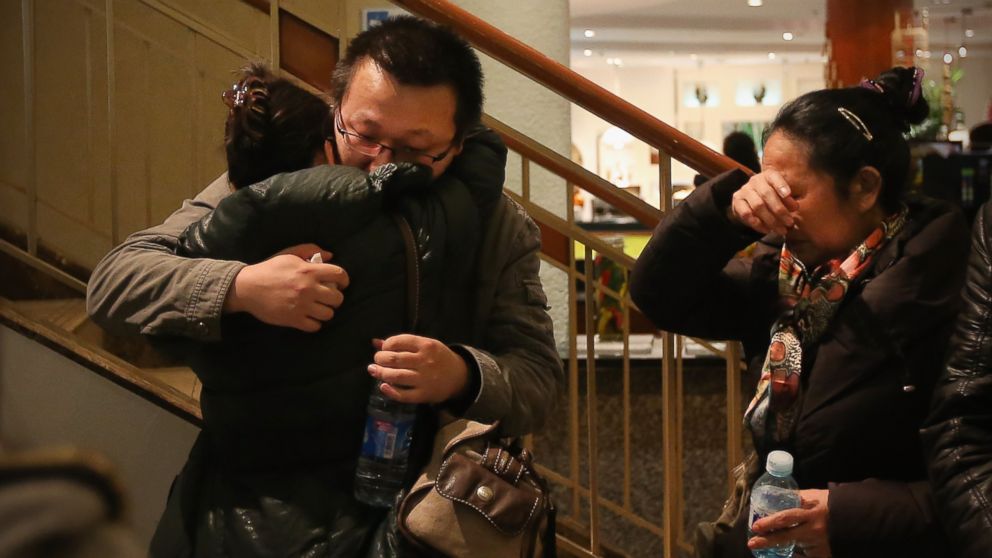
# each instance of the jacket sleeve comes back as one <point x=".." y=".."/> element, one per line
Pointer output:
<point x="520" y="372"/>
<point x="687" y="280"/>
<point x="141" y="286"/>
<point x="319" y="204"/>
<point x="883" y="518"/>
<point x="958" y="435"/>
<point x="312" y="205"/>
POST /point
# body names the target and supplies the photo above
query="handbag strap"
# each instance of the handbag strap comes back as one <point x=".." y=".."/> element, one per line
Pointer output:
<point x="412" y="272"/>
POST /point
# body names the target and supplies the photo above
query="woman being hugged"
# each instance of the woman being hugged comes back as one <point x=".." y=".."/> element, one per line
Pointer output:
<point x="844" y="311"/>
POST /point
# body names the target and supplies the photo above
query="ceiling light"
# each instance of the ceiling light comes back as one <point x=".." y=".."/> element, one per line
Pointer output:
<point x="755" y="3"/>
<point x="771" y="56"/>
<point x="963" y="52"/>
<point x="788" y="36"/>
<point x="589" y="33"/>
<point x="587" y="52"/>
<point x="948" y="58"/>
<point x="609" y="61"/>
<point x="969" y="33"/>
<point x="919" y="53"/>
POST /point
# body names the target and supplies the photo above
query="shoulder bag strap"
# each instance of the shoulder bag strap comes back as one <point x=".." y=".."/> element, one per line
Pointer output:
<point x="412" y="272"/>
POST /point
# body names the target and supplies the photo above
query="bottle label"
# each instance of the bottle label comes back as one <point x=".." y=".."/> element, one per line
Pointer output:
<point x="387" y="440"/>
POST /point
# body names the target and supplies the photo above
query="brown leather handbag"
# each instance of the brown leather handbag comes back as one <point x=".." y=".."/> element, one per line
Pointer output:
<point x="478" y="497"/>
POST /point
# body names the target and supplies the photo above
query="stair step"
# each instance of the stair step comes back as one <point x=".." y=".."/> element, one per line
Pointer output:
<point x="180" y="378"/>
<point x="65" y="313"/>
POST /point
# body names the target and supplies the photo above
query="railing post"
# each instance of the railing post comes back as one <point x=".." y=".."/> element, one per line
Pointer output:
<point x="671" y="394"/>
<point x="735" y="452"/>
<point x="671" y="456"/>
<point x="591" y="399"/>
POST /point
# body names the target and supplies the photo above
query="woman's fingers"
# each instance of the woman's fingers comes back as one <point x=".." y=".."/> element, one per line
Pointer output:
<point x="765" y="203"/>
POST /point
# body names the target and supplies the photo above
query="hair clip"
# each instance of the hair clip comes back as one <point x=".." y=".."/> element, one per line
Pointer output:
<point x="235" y="96"/>
<point x="855" y="121"/>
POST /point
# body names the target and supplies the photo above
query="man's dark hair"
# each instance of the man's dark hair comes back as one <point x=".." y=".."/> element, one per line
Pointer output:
<point x="421" y="53"/>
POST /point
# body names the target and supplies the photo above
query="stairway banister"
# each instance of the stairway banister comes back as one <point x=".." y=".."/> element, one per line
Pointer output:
<point x="573" y="86"/>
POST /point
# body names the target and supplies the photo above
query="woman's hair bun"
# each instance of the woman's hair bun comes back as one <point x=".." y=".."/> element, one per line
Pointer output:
<point x="902" y="89"/>
<point x="248" y="100"/>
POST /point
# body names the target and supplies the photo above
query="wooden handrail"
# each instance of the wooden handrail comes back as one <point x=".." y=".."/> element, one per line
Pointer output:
<point x="623" y="200"/>
<point x="573" y="86"/>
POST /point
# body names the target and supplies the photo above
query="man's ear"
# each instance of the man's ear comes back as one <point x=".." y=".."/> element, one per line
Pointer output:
<point x="866" y="188"/>
<point x="330" y="153"/>
<point x="457" y="149"/>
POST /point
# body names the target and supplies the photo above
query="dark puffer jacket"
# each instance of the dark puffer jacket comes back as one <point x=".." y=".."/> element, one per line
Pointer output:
<point x="284" y="410"/>
<point x="958" y="435"/>
<point x="276" y="396"/>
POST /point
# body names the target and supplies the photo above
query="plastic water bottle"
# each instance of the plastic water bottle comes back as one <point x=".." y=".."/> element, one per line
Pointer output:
<point x="775" y="491"/>
<point x="382" y="463"/>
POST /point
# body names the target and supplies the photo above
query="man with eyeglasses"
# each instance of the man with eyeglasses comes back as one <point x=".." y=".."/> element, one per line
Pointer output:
<point x="406" y="91"/>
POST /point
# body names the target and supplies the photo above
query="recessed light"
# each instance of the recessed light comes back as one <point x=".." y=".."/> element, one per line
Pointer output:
<point x="587" y="52"/>
<point x="963" y="52"/>
<point x="788" y="36"/>
<point x="589" y="33"/>
<point x="771" y="56"/>
<point x="755" y="3"/>
<point x="969" y="33"/>
<point x="948" y="58"/>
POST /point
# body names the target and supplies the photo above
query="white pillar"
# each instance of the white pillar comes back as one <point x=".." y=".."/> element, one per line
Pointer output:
<point x="535" y="111"/>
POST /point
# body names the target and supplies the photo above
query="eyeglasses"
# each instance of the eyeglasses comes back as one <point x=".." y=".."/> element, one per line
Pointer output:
<point x="372" y="148"/>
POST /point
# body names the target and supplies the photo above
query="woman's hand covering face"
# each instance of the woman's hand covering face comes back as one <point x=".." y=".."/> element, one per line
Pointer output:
<point x="765" y="204"/>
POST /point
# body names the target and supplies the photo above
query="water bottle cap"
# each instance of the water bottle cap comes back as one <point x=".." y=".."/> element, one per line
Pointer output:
<point x="779" y="463"/>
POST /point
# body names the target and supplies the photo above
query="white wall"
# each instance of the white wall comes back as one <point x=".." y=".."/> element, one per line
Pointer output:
<point x="661" y="91"/>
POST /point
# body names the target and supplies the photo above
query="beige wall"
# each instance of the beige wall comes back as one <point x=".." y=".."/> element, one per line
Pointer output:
<point x="157" y="140"/>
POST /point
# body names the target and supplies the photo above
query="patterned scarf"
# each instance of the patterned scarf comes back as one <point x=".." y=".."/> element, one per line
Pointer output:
<point x="811" y="302"/>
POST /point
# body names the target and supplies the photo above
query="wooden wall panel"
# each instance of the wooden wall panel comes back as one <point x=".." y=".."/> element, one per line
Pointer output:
<point x="13" y="169"/>
<point x="61" y="108"/>
<point x="160" y="143"/>
<point x="13" y="208"/>
<point x="130" y="138"/>
<point x="170" y="134"/>
<point x="235" y="18"/>
<point x="216" y="67"/>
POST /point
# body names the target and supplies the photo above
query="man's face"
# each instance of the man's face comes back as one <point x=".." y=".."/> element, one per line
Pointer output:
<point x="409" y="119"/>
